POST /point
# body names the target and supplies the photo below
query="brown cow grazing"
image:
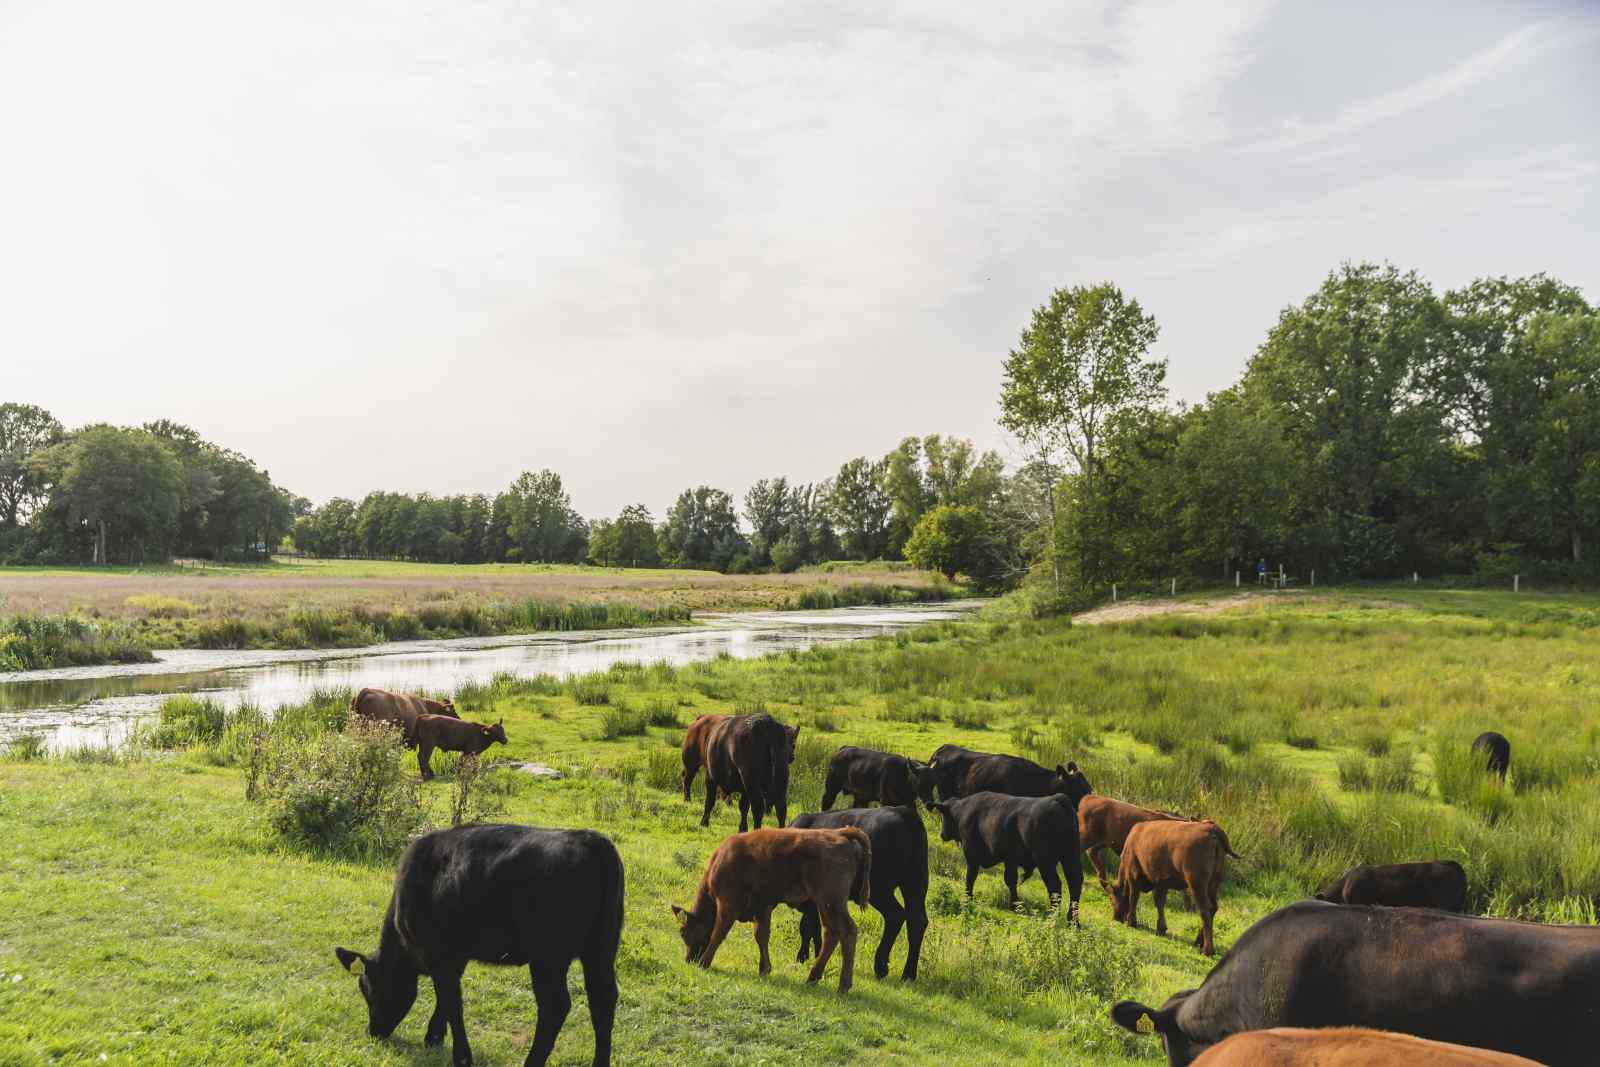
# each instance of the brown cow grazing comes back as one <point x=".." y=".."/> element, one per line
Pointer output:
<point x="453" y="735"/>
<point x="1159" y="856"/>
<point x="402" y="709"/>
<point x="747" y="755"/>
<point x="751" y="873"/>
<point x="1104" y="823"/>
<point x="1347" y="1047"/>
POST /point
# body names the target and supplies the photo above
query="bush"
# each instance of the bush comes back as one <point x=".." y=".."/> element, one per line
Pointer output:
<point x="590" y="690"/>
<point x="182" y="721"/>
<point x="38" y="642"/>
<point x="346" y="794"/>
<point x="621" y="721"/>
<point x="25" y="747"/>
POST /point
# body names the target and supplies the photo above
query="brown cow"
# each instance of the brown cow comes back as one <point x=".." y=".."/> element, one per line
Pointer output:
<point x="1159" y="856"/>
<point x="1343" y="1046"/>
<point x="402" y="709"/>
<point x="453" y="735"/>
<point x="1104" y="823"/>
<point x="751" y="873"/>
<point x="748" y="755"/>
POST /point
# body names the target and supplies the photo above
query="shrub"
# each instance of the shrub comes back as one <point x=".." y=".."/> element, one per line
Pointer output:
<point x="622" y="721"/>
<point x="590" y="690"/>
<point x="25" y="747"/>
<point x="972" y="717"/>
<point x="346" y="793"/>
<point x="182" y="721"/>
<point x="35" y="642"/>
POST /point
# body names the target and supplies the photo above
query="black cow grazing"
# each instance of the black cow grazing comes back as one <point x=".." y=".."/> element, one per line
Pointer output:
<point x="1496" y="750"/>
<point x="498" y="894"/>
<point x="1023" y="833"/>
<point x="866" y="775"/>
<point x="1523" y="988"/>
<point x="1020" y="777"/>
<point x="1441" y="884"/>
<point x="748" y="755"/>
<point x="899" y="861"/>
<point x="941" y="776"/>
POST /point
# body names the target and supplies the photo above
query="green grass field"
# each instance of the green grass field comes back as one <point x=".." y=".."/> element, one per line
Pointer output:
<point x="154" y="918"/>
<point x="293" y="603"/>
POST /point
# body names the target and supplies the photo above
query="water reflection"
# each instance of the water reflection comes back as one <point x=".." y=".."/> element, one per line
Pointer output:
<point x="100" y="705"/>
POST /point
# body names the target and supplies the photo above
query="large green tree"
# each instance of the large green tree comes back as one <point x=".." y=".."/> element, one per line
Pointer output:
<point x="861" y="507"/>
<point x="24" y="430"/>
<point x="124" y="487"/>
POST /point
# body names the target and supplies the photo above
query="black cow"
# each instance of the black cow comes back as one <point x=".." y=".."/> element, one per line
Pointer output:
<point x="1023" y="833"/>
<point x="498" y="894"/>
<point x="1517" y="987"/>
<point x="1442" y="885"/>
<point x="1020" y="777"/>
<point x="944" y="772"/>
<point x="867" y="775"/>
<point x="1496" y="750"/>
<point x="899" y="861"/>
<point x="748" y="755"/>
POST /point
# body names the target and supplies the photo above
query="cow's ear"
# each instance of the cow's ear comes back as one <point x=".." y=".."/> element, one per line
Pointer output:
<point x="1062" y="771"/>
<point x="354" y="962"/>
<point x="1136" y="1018"/>
<point x="1073" y="767"/>
<point x="681" y="915"/>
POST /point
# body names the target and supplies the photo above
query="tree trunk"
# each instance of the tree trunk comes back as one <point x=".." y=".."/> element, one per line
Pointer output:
<point x="1577" y="543"/>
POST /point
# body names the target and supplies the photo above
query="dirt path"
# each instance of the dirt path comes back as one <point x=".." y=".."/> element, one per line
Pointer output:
<point x="1139" y="609"/>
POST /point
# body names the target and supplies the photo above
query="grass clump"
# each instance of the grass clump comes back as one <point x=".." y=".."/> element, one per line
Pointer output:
<point x="40" y="642"/>
<point x="25" y="747"/>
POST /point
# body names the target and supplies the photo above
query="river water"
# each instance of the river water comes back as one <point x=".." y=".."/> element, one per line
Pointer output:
<point x="100" y="705"/>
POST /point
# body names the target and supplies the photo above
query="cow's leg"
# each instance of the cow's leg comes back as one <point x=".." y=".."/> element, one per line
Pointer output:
<point x="810" y="931"/>
<point x="1099" y="866"/>
<point x="1074" y="871"/>
<point x="894" y="917"/>
<point x="744" y="811"/>
<point x="763" y="936"/>
<point x="719" y="934"/>
<point x="830" y="938"/>
<point x="424" y="755"/>
<point x="550" y="993"/>
<point x="447" y="991"/>
<point x="711" y="800"/>
<point x="830" y="792"/>
<point x="848" y="937"/>
<point x="780" y="804"/>
<point x="1011" y="882"/>
<point x="916" y="926"/>
<point x="440" y="1019"/>
<point x="1160" y="897"/>
<point x="1133" y="905"/>
<point x="758" y="803"/>
<point x="600" y="983"/>
<point x="972" y="876"/>
<point x="691" y="767"/>
<point x="1052" y="883"/>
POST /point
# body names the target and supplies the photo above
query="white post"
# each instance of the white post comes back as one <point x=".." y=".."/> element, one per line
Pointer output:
<point x="1313" y="579"/>
<point x="1516" y="583"/>
<point x="1413" y="577"/>
<point x="1236" y="579"/>
<point x="1113" y="592"/>
<point x="1174" y="587"/>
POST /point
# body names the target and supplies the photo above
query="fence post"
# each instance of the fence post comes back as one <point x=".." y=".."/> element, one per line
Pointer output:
<point x="1236" y="579"/>
<point x="1413" y="577"/>
<point x="1313" y="579"/>
<point x="1113" y="592"/>
<point x="1516" y="583"/>
<point x="1174" y="587"/>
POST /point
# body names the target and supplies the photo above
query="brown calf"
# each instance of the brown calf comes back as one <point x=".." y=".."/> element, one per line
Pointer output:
<point x="1347" y="1047"/>
<point x="453" y="735"/>
<point x="402" y="709"/>
<point x="751" y="873"/>
<point x="1159" y="856"/>
<point x="1104" y="823"/>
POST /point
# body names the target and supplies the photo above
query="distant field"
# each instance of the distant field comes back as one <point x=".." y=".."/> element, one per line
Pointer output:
<point x="345" y="603"/>
<point x="1319" y="730"/>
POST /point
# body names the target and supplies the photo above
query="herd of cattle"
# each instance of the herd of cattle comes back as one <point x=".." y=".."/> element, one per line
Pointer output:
<point x="1381" y="968"/>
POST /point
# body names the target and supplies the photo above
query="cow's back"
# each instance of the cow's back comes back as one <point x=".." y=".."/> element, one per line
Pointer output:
<point x="1347" y="1047"/>
<point x="899" y="842"/>
<point x="1490" y="983"/>
<point x="1106" y="821"/>
<point x="1014" y="775"/>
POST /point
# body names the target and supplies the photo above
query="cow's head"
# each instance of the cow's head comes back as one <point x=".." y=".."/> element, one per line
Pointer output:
<point x="695" y="931"/>
<point x="925" y="776"/>
<point x="1139" y="1019"/>
<point x="389" y="989"/>
<point x="793" y="734"/>
<point x="949" y="829"/>
<point x="1070" y="782"/>
<point x="492" y="734"/>
<point x="1121" y="894"/>
<point x="899" y="783"/>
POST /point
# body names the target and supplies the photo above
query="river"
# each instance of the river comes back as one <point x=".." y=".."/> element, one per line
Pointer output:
<point x="77" y="706"/>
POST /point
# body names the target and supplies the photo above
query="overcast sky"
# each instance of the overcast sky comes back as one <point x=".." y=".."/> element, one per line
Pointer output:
<point x="427" y="245"/>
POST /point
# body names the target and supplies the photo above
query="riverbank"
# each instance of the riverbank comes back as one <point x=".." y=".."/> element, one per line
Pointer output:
<point x="119" y="615"/>
<point x="1319" y="733"/>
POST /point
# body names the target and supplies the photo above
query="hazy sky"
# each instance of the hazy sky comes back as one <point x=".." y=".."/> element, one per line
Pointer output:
<point x="427" y="245"/>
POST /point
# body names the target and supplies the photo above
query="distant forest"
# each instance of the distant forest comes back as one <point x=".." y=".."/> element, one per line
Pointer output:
<point x="1381" y="428"/>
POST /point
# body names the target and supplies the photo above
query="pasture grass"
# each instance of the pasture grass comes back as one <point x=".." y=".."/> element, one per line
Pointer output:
<point x="157" y="916"/>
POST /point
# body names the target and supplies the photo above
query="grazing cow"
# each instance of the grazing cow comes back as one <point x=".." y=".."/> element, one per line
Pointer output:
<point x="1347" y="1047"/>
<point x="1020" y="777"/>
<point x="1162" y="855"/>
<point x="748" y="755"/>
<point x="505" y="895"/>
<point x="1518" y="987"/>
<point x="752" y="873"/>
<point x="1104" y="823"/>
<point x="899" y="861"/>
<point x="1496" y="751"/>
<point x="1441" y="884"/>
<point x="453" y="735"/>
<point x="867" y="775"/>
<point x="1023" y="833"/>
<point x="941" y="776"/>
<point x="402" y="709"/>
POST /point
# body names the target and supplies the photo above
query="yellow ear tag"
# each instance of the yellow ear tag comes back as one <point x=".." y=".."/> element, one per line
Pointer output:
<point x="358" y="967"/>
<point x="1145" y="1025"/>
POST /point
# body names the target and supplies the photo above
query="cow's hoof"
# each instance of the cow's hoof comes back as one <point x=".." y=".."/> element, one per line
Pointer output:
<point x="433" y="1040"/>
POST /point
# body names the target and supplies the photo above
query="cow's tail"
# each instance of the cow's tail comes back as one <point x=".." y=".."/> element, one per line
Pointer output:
<point x="1223" y="837"/>
<point x="861" y="887"/>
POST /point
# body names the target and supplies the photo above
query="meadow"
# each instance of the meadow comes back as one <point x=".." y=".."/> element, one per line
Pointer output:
<point x="158" y="916"/>
<point x="57" y="616"/>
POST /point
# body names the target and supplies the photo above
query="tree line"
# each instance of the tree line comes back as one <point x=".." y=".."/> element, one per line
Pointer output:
<point x="1381" y="428"/>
